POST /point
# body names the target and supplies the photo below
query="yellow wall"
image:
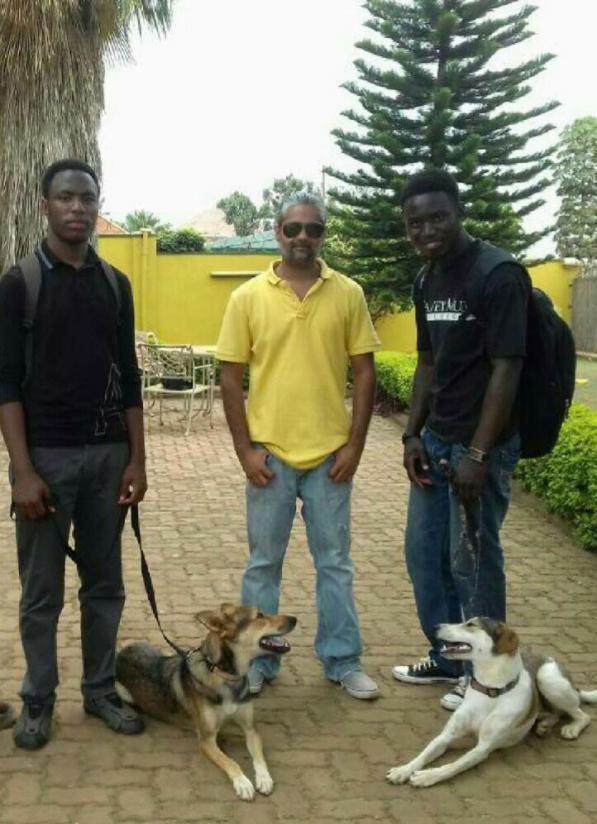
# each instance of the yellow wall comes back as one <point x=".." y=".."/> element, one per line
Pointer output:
<point x="182" y="297"/>
<point x="179" y="297"/>
<point x="193" y="290"/>
<point x="556" y="279"/>
<point x="398" y="332"/>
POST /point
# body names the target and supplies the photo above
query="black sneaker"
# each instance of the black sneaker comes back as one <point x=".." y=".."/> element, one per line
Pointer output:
<point x="425" y="671"/>
<point x="115" y="714"/>
<point x="32" y="730"/>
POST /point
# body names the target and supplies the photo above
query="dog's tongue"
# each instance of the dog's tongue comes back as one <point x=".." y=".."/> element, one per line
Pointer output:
<point x="274" y="643"/>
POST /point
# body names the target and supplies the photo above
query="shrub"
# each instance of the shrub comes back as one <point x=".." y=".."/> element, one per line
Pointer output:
<point x="395" y="372"/>
<point x="566" y="479"/>
<point x="180" y="241"/>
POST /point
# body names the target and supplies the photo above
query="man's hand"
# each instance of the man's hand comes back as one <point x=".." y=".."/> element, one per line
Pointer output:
<point x="346" y="463"/>
<point x="416" y="463"/>
<point x="468" y="479"/>
<point x="133" y="485"/>
<point x="253" y="461"/>
<point x="31" y="495"/>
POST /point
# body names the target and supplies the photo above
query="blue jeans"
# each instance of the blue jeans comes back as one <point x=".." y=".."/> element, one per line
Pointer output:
<point x="456" y="564"/>
<point x="326" y="512"/>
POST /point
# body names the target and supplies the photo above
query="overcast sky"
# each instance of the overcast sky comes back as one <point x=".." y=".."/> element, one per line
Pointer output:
<point x="239" y="93"/>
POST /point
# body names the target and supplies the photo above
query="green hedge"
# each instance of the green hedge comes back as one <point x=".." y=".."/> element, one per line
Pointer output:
<point x="566" y="479"/>
<point x="395" y="372"/>
<point x="180" y="241"/>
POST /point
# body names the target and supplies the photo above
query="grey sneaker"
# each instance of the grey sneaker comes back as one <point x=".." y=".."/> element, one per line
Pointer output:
<point x="7" y="715"/>
<point x="32" y="731"/>
<point x="453" y="699"/>
<point x="256" y="680"/>
<point x="358" y="684"/>
<point x="115" y="714"/>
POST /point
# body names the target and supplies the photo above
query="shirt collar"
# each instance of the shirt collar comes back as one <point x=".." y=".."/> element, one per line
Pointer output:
<point x="459" y="260"/>
<point x="324" y="271"/>
<point x="50" y="260"/>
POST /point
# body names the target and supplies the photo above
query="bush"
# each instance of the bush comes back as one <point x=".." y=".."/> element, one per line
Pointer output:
<point x="566" y="479"/>
<point x="180" y="241"/>
<point x="395" y="372"/>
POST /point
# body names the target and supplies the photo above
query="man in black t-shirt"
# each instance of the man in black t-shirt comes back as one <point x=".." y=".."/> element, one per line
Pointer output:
<point x="72" y="418"/>
<point x="461" y="443"/>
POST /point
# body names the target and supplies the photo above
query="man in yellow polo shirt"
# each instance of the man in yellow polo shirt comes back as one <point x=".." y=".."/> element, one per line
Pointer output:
<point x="297" y="326"/>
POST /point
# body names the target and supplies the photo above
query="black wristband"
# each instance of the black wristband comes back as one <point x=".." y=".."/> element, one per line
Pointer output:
<point x="408" y="437"/>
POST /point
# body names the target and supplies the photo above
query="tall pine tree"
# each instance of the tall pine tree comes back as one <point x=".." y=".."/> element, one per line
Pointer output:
<point x="434" y="96"/>
<point x="576" y="176"/>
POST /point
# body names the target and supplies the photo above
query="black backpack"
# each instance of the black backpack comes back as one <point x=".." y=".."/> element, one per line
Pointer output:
<point x="31" y="270"/>
<point x="548" y="374"/>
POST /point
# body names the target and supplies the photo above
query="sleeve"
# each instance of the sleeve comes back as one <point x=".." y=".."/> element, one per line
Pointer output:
<point x="505" y="309"/>
<point x="234" y="340"/>
<point x="12" y="336"/>
<point x="423" y="339"/>
<point x="362" y="337"/>
<point x="129" y="368"/>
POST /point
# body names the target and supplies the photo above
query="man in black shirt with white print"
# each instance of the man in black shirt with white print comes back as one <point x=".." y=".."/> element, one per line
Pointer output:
<point x="460" y="445"/>
<point x="72" y="418"/>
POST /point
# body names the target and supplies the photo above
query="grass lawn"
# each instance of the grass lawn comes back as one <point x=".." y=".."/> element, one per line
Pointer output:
<point x="586" y="392"/>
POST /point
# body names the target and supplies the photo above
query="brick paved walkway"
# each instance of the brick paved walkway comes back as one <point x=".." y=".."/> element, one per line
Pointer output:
<point x="328" y="753"/>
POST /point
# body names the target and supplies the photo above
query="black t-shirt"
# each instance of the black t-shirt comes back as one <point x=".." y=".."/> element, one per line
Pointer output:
<point x="463" y="345"/>
<point x="84" y="368"/>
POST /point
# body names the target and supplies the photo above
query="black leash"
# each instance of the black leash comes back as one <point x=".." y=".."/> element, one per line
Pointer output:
<point x="149" y="583"/>
<point x="149" y="589"/>
<point x="241" y="691"/>
<point x="243" y="681"/>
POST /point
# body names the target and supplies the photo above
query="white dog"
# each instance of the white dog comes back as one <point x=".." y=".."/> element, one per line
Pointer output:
<point x="507" y="694"/>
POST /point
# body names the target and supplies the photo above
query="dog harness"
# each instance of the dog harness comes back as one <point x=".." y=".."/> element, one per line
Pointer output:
<point x="237" y="684"/>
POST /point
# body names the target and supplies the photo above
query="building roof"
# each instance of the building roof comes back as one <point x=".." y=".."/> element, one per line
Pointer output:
<point x="259" y="242"/>
<point x="211" y="223"/>
<point x="107" y="226"/>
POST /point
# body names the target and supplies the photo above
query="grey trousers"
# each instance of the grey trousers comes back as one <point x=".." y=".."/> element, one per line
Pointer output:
<point x="85" y="483"/>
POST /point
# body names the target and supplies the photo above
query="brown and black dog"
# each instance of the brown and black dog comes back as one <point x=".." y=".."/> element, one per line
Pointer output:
<point x="210" y="684"/>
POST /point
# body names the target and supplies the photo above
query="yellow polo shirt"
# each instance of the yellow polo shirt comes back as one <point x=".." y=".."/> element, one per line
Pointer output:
<point x="298" y="355"/>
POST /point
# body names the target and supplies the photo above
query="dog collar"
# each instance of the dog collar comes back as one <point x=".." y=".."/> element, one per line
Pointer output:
<point x="493" y="692"/>
<point x="237" y="684"/>
<point x="224" y="669"/>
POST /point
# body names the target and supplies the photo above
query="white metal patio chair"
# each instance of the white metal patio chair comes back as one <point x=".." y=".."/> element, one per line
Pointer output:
<point x="175" y="372"/>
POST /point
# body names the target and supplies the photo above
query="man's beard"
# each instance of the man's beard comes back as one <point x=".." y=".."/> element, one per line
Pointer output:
<point x="305" y="255"/>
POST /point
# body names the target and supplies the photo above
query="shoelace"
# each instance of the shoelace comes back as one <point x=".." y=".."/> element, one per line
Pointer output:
<point x="423" y="665"/>
<point x="460" y="687"/>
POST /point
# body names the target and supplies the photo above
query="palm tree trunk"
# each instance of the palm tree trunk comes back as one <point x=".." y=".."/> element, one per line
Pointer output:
<point x="51" y="100"/>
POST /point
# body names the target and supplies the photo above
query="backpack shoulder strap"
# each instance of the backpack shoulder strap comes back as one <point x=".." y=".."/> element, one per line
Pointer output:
<point x="113" y="281"/>
<point x="420" y="281"/>
<point x="485" y="261"/>
<point x="31" y="270"/>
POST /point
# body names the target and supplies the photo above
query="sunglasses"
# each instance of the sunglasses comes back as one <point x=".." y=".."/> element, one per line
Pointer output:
<point x="312" y="230"/>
